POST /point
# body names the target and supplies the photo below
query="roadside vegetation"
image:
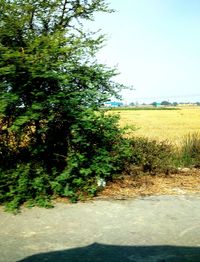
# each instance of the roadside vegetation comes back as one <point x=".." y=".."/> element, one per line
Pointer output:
<point x="55" y="141"/>
<point x="189" y="153"/>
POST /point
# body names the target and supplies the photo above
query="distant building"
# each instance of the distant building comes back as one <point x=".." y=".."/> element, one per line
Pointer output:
<point x="157" y="104"/>
<point x="113" y="104"/>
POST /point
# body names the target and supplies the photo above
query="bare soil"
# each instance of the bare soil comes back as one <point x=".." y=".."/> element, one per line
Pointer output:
<point x="185" y="181"/>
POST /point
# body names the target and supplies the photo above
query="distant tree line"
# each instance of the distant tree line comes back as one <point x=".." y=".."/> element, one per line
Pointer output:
<point x="164" y="103"/>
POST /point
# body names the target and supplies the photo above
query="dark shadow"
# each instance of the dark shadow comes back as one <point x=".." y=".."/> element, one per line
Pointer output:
<point x="110" y="253"/>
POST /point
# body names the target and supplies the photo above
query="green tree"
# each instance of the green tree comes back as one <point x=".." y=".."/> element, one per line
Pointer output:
<point x="154" y="104"/>
<point x="165" y="103"/>
<point x="51" y="87"/>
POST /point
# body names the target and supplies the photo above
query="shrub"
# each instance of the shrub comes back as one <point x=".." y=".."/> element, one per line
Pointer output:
<point x="151" y="156"/>
<point x="96" y="150"/>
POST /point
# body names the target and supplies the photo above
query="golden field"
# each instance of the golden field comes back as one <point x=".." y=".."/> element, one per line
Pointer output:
<point x="171" y="125"/>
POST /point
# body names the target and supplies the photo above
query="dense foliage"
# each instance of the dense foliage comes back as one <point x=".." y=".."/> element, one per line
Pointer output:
<point x="53" y="139"/>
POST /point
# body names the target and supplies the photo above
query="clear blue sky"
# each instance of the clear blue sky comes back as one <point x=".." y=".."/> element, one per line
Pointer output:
<point x="156" y="47"/>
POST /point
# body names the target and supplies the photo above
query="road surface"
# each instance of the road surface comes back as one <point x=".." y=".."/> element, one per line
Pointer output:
<point x="149" y="229"/>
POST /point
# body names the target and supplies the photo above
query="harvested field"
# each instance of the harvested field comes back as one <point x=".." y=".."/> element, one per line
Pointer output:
<point x="171" y="125"/>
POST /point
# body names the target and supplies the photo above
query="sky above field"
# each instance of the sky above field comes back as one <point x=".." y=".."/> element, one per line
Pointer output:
<point x="155" y="45"/>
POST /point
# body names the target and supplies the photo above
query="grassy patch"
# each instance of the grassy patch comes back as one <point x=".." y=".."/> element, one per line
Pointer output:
<point x="190" y="150"/>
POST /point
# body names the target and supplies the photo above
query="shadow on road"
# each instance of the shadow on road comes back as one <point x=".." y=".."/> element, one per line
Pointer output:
<point x="110" y="253"/>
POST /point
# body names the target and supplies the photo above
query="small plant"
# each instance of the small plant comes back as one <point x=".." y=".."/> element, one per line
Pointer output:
<point x="190" y="150"/>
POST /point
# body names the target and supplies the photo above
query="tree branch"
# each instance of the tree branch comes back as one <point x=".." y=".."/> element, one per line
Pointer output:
<point x="31" y="19"/>
<point x="63" y="12"/>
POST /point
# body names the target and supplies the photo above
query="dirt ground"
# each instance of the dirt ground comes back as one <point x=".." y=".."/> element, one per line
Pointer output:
<point x="183" y="182"/>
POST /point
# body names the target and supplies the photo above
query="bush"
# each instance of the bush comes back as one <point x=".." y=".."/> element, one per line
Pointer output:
<point x="96" y="150"/>
<point x="152" y="156"/>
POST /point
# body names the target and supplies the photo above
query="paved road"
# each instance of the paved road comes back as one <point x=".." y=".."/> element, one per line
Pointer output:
<point x="150" y="229"/>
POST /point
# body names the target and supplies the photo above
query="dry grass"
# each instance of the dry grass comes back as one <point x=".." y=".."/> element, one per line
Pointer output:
<point x="130" y="186"/>
<point x="134" y="186"/>
<point x="171" y="125"/>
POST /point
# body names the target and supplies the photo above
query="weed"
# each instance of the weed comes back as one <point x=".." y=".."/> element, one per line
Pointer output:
<point x="152" y="156"/>
<point x="190" y="150"/>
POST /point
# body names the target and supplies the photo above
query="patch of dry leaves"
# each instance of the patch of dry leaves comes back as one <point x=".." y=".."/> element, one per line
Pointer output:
<point x="183" y="182"/>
